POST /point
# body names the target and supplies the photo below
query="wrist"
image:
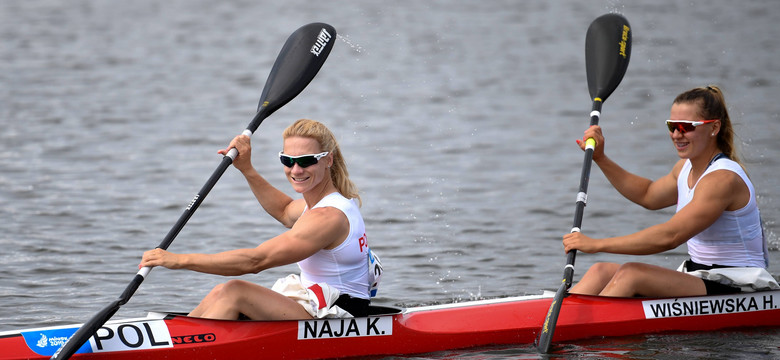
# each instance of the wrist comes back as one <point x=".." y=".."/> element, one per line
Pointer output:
<point x="248" y="171"/>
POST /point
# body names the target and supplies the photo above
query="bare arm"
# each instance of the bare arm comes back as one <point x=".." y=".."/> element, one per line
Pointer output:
<point x="276" y="203"/>
<point x="715" y="193"/>
<point x="317" y="229"/>
<point x="647" y="193"/>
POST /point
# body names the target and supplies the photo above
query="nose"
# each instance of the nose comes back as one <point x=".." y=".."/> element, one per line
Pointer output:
<point x="297" y="168"/>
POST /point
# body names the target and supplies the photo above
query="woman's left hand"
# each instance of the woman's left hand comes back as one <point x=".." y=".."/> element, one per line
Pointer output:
<point x="160" y="257"/>
<point x="578" y="241"/>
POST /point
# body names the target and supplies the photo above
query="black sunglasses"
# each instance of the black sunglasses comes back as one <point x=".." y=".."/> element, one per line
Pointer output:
<point x="302" y="160"/>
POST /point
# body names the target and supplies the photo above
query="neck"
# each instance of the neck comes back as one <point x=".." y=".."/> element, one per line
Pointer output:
<point x="313" y="196"/>
<point x="700" y="163"/>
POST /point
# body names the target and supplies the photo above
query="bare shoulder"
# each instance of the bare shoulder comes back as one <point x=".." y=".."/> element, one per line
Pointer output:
<point x="324" y="214"/>
<point x="727" y="185"/>
<point x="677" y="168"/>
<point x="327" y="226"/>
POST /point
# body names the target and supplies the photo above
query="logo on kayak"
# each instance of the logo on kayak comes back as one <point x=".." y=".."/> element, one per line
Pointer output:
<point x="47" y="341"/>
<point x="194" y="339"/>
<point x="342" y="328"/>
<point x="713" y="305"/>
<point x="322" y="40"/>
<point x="114" y="337"/>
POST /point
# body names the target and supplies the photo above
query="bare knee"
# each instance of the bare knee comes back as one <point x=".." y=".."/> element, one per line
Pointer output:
<point x="604" y="269"/>
<point x="227" y="290"/>
<point x="601" y="272"/>
<point x="626" y="279"/>
<point x="595" y="279"/>
<point x="629" y="270"/>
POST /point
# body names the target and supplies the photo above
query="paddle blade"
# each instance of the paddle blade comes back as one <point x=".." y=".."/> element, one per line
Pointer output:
<point x="607" y="51"/>
<point x="298" y="62"/>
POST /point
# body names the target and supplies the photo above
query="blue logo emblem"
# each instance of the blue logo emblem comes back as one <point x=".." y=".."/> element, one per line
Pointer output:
<point x="47" y="342"/>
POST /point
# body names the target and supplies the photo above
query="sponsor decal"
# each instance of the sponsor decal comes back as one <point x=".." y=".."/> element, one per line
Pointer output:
<point x="194" y="339"/>
<point x="192" y="203"/>
<point x="342" y="328"/>
<point x="714" y="305"/>
<point x="46" y="342"/>
<point x="112" y="337"/>
<point x="322" y="40"/>
<point x="624" y="41"/>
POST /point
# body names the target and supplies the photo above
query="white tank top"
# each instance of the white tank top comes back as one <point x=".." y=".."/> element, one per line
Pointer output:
<point x="736" y="238"/>
<point x="346" y="266"/>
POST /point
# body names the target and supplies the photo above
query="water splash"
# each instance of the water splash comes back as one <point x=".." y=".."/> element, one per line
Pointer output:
<point x="356" y="47"/>
<point x="616" y="7"/>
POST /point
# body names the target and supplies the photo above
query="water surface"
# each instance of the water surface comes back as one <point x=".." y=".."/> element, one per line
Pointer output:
<point x="458" y="120"/>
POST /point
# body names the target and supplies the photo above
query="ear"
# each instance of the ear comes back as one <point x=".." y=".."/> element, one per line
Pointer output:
<point x="715" y="128"/>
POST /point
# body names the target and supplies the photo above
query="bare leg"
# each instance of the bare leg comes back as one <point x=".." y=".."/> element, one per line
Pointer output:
<point x="228" y="300"/>
<point x="595" y="279"/>
<point x="638" y="279"/>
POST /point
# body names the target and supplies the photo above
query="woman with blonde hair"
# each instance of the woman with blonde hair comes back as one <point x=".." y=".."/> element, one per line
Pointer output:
<point x="326" y="237"/>
<point x="717" y="214"/>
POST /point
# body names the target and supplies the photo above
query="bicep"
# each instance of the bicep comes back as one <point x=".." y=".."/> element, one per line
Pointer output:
<point x="292" y="212"/>
<point x="662" y="192"/>
<point x="317" y="229"/>
<point x="711" y="198"/>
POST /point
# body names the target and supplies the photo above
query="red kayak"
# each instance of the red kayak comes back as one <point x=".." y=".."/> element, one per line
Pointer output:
<point x="393" y="330"/>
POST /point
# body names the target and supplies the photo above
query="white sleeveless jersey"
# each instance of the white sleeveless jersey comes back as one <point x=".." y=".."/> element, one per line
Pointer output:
<point x="346" y="266"/>
<point x="736" y="238"/>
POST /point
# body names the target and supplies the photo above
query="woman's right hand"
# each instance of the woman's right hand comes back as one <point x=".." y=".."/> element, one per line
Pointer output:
<point x="243" y="160"/>
<point x="160" y="257"/>
<point x="595" y="133"/>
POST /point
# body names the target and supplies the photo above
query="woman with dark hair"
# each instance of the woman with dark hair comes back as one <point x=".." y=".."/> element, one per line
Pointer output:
<point x="717" y="214"/>
<point x="326" y="237"/>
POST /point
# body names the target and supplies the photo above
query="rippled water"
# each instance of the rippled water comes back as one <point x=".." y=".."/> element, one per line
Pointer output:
<point x="457" y="118"/>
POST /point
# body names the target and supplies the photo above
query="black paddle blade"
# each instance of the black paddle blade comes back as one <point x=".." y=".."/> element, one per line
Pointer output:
<point x="607" y="51"/>
<point x="298" y="62"/>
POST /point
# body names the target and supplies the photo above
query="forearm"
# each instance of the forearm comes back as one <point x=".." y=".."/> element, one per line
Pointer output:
<point x="229" y="263"/>
<point x="270" y="198"/>
<point x="631" y="186"/>
<point x="652" y="240"/>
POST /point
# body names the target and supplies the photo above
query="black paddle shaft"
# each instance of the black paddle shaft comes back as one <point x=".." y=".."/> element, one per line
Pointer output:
<point x="607" y="51"/>
<point x="582" y="195"/>
<point x="301" y="57"/>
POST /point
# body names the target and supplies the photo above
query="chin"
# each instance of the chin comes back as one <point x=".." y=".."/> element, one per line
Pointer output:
<point x="299" y="189"/>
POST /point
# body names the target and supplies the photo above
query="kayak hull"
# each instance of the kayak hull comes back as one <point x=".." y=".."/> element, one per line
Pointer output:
<point x="514" y="320"/>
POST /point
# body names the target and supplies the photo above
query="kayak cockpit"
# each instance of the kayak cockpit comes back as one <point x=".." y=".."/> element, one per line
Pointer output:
<point x="373" y="310"/>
